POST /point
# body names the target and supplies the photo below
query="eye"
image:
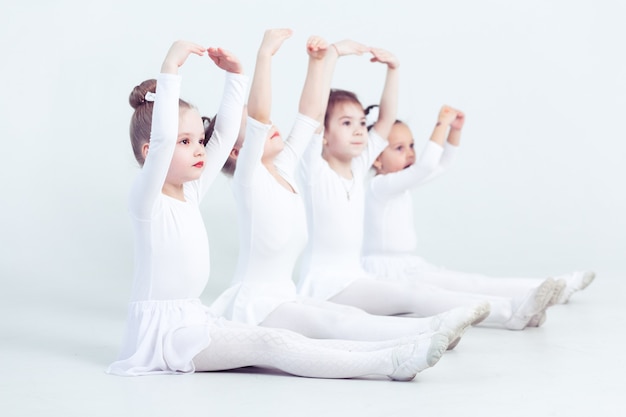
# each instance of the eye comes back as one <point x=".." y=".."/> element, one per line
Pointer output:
<point x="363" y="122"/>
<point x="184" y="141"/>
<point x="346" y="123"/>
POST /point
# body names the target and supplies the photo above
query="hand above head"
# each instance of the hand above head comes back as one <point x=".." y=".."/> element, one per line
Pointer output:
<point x="316" y="47"/>
<point x="458" y="122"/>
<point x="384" y="57"/>
<point x="447" y="115"/>
<point x="350" y="47"/>
<point x="177" y="55"/>
<point x="272" y="41"/>
<point x="225" y="60"/>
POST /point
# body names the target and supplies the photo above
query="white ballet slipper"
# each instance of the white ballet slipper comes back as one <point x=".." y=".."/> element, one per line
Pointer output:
<point x="532" y="305"/>
<point x="409" y="360"/>
<point x="455" y="322"/>
<point x="577" y="281"/>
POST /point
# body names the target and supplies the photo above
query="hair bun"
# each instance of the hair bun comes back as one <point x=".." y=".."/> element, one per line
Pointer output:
<point x="137" y="96"/>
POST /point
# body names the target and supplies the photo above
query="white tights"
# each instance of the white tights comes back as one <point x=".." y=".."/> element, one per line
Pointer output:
<point x="420" y="300"/>
<point x="327" y="320"/>
<point x="238" y="345"/>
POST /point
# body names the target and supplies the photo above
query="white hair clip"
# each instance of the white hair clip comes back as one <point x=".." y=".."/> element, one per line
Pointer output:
<point x="150" y="96"/>
<point x="372" y="114"/>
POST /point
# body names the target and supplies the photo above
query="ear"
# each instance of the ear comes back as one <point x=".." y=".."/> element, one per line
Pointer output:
<point x="378" y="164"/>
<point x="144" y="150"/>
<point x="234" y="153"/>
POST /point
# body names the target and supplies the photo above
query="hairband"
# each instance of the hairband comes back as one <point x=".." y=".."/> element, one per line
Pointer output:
<point x="150" y="96"/>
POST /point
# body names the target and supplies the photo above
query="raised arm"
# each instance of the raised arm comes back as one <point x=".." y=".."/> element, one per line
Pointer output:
<point x="163" y="131"/>
<point x="454" y="136"/>
<point x="335" y="51"/>
<point x="388" y="108"/>
<point x="260" y="98"/>
<point x="228" y="118"/>
<point x="310" y="108"/>
<point x="312" y="97"/>
<point x="447" y="115"/>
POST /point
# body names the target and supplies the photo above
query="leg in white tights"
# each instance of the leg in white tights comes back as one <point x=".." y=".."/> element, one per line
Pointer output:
<point x="471" y="282"/>
<point x="385" y="298"/>
<point x="516" y="288"/>
<point x="236" y="346"/>
<point x="326" y="320"/>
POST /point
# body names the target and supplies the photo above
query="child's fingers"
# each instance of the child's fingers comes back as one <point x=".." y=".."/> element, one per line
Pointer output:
<point x="196" y="48"/>
<point x="316" y="43"/>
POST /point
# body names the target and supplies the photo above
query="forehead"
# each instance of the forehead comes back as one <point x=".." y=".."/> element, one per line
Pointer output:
<point x="400" y="132"/>
<point x="348" y="109"/>
<point x="189" y="120"/>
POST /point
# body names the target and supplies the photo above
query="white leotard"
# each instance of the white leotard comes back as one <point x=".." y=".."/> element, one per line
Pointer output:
<point x="334" y="208"/>
<point x="390" y="244"/>
<point x="272" y="226"/>
<point x="389" y="226"/>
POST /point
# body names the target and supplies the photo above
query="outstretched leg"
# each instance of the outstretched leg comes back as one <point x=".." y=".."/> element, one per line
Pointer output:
<point x="236" y="346"/>
<point x="327" y="320"/>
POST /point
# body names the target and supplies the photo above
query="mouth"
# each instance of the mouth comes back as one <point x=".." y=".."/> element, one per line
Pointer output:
<point x="199" y="164"/>
<point x="275" y="134"/>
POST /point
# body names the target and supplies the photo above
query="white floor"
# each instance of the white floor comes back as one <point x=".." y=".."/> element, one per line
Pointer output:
<point x="55" y="348"/>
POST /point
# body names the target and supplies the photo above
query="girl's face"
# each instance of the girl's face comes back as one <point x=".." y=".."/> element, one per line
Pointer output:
<point x="189" y="154"/>
<point x="273" y="144"/>
<point x="399" y="154"/>
<point x="345" y="136"/>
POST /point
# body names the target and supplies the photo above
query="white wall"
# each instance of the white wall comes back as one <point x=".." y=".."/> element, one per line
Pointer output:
<point x="538" y="189"/>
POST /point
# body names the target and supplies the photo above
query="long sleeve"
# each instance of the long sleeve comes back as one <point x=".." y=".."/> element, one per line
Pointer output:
<point x="226" y="130"/>
<point x="249" y="159"/>
<point x="432" y="162"/>
<point x="296" y="144"/>
<point x="164" y="131"/>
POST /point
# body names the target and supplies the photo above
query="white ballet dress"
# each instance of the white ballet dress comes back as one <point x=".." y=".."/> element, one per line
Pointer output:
<point x="272" y="225"/>
<point x="390" y="244"/>
<point x="390" y="240"/>
<point x="334" y="209"/>
<point x="167" y="325"/>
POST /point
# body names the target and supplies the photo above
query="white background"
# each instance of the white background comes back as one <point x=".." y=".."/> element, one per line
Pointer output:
<point x="538" y="188"/>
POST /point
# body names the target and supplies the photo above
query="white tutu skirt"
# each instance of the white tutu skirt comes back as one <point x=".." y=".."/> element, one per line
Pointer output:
<point x="163" y="336"/>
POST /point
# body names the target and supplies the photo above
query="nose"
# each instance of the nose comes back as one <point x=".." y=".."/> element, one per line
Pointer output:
<point x="200" y="149"/>
<point x="411" y="155"/>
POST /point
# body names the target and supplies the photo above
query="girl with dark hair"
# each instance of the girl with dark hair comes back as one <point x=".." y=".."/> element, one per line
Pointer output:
<point x="390" y="242"/>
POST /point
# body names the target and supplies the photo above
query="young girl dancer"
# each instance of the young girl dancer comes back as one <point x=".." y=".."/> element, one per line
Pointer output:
<point x="272" y="224"/>
<point x="168" y="329"/>
<point x="332" y="171"/>
<point x="390" y="239"/>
